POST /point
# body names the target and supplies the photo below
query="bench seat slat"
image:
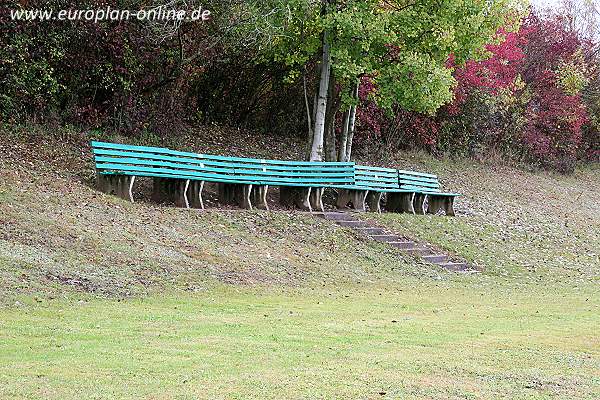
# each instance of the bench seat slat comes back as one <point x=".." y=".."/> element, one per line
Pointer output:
<point x="133" y="168"/>
<point x="215" y="180"/>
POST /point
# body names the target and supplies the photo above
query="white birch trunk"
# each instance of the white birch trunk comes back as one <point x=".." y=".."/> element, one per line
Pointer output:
<point x="351" y="123"/>
<point x="344" y="137"/>
<point x="350" y="133"/>
<point x="316" y="153"/>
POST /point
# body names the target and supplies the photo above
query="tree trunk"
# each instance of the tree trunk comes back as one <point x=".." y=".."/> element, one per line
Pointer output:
<point x="310" y="114"/>
<point x="316" y="153"/>
<point x="330" y="143"/>
<point x="334" y="104"/>
<point x="348" y="134"/>
<point x="344" y="136"/>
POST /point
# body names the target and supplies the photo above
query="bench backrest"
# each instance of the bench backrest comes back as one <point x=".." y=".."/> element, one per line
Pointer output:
<point x="375" y="178"/>
<point x="419" y="181"/>
<point x="112" y="158"/>
<point x="294" y="173"/>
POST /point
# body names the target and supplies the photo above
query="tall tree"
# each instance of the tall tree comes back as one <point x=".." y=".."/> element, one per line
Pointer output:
<point x="401" y="45"/>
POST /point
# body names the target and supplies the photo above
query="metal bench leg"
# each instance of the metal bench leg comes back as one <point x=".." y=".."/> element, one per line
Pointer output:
<point x="243" y="194"/>
<point x="316" y="199"/>
<point x="419" y="203"/>
<point x="238" y="194"/>
<point x="130" y="189"/>
<point x="374" y="201"/>
<point x="305" y="205"/>
<point x="122" y="185"/>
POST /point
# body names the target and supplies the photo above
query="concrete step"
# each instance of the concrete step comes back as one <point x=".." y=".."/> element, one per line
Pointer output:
<point x="339" y="216"/>
<point x="418" y="251"/>
<point x="436" y="259"/>
<point x="370" y="230"/>
<point x="385" y="238"/>
<point x="403" y="245"/>
<point x="457" y="267"/>
<point x="351" y="224"/>
<point x="379" y="234"/>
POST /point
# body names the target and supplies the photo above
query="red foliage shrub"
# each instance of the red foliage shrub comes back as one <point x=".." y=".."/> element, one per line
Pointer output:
<point x="499" y="71"/>
<point x="512" y="100"/>
<point x="555" y="118"/>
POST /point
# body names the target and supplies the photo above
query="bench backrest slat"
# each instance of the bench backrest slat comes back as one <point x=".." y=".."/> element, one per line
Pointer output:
<point x="123" y="157"/>
<point x="216" y="176"/>
<point x="375" y="178"/>
<point x="418" y="181"/>
<point x="112" y="158"/>
<point x="211" y="157"/>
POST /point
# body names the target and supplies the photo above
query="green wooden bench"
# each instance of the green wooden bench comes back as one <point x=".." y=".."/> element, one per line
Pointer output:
<point x="245" y="181"/>
<point x="181" y="176"/>
<point x="370" y="183"/>
<point x="420" y="193"/>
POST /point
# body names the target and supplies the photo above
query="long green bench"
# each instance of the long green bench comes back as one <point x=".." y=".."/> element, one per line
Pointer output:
<point x="181" y="175"/>
<point x="421" y="193"/>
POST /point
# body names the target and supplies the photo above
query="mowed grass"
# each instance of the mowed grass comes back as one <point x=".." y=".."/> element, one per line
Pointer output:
<point x="453" y="340"/>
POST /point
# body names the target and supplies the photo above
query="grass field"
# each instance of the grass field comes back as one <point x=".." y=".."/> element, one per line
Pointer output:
<point x="445" y="341"/>
<point x="103" y="299"/>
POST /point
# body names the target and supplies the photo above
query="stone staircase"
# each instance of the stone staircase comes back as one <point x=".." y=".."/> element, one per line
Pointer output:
<point x="377" y="233"/>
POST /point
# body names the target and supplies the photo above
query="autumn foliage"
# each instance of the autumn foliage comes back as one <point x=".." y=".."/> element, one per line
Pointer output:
<point x="527" y="101"/>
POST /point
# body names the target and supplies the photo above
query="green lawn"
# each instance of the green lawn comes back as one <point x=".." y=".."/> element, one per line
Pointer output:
<point x="103" y="299"/>
<point x="456" y="340"/>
